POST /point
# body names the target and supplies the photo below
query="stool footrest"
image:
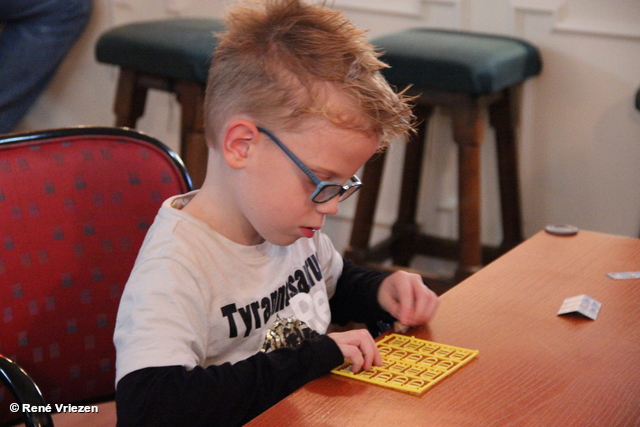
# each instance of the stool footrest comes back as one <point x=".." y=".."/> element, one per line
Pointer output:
<point x="422" y="244"/>
<point x="437" y="284"/>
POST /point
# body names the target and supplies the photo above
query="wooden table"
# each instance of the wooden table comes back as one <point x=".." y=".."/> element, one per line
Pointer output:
<point x="535" y="368"/>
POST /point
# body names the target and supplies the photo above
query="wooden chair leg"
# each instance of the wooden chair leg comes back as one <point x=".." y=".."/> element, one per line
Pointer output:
<point x="468" y="131"/>
<point x="502" y="119"/>
<point x="129" y="105"/>
<point x="405" y="228"/>
<point x="130" y="99"/>
<point x="193" y="147"/>
<point x="366" y="209"/>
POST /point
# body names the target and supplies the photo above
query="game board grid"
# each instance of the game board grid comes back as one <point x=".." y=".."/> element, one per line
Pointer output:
<point x="411" y="364"/>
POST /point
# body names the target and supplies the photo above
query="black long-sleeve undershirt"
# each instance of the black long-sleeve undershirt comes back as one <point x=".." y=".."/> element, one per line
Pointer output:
<point x="356" y="296"/>
<point x="229" y="395"/>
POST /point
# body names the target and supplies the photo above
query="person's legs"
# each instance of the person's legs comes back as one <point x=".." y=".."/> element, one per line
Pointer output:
<point x="34" y="38"/>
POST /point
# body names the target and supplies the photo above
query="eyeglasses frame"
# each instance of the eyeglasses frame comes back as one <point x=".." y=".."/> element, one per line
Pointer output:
<point x="320" y="185"/>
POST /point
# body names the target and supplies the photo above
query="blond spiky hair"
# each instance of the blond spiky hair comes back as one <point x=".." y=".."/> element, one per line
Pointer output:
<point x="277" y="59"/>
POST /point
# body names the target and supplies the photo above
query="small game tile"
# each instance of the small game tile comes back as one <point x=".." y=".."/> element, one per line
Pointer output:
<point x="411" y="364"/>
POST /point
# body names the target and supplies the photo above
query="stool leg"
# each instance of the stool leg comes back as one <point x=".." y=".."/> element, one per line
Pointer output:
<point x="405" y="229"/>
<point x="193" y="148"/>
<point x="503" y="121"/>
<point x="365" y="209"/>
<point x="468" y="131"/>
<point x="130" y="99"/>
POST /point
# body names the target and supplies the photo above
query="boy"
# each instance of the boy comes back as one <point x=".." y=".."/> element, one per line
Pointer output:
<point x="295" y="103"/>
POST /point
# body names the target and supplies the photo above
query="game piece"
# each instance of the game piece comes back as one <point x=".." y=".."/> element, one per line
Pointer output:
<point x="582" y="304"/>
<point x="411" y="364"/>
<point x="561" y="229"/>
<point x="400" y="328"/>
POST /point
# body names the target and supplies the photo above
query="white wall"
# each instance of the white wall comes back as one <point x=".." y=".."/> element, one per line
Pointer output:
<point x="579" y="131"/>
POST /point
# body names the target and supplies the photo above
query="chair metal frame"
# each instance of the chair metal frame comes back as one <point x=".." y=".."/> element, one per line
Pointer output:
<point x="25" y="391"/>
<point x="21" y="137"/>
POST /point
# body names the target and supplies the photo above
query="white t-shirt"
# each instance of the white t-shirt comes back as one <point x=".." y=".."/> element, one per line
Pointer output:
<point x="195" y="298"/>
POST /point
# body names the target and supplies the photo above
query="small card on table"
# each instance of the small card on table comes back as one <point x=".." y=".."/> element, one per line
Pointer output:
<point x="624" y="275"/>
<point x="582" y="304"/>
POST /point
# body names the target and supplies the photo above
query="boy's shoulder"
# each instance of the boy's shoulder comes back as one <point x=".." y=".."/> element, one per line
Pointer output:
<point x="176" y="234"/>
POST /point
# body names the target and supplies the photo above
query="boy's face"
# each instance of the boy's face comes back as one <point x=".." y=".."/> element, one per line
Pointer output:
<point x="276" y="201"/>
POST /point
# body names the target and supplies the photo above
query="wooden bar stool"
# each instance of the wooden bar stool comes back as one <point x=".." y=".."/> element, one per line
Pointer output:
<point x="172" y="55"/>
<point x="464" y="73"/>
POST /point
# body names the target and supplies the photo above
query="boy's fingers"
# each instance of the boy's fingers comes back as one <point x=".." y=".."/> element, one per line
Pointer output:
<point x="370" y="354"/>
<point x="408" y="298"/>
<point x="377" y="358"/>
<point x="357" y="361"/>
<point x="359" y="347"/>
<point x="416" y="296"/>
<point x="425" y="305"/>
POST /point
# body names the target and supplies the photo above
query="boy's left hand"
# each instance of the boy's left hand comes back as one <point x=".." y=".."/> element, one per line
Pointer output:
<point x="405" y="296"/>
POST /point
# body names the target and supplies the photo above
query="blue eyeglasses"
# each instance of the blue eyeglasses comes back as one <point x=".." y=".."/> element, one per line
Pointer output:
<point x="325" y="190"/>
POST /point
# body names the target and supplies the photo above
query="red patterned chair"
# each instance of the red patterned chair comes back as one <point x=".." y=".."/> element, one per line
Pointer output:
<point x="75" y="205"/>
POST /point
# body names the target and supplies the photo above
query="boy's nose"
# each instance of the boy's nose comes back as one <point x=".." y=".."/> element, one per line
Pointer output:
<point x="330" y="207"/>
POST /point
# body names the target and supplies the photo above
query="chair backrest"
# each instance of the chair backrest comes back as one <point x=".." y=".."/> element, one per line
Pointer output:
<point x="75" y="205"/>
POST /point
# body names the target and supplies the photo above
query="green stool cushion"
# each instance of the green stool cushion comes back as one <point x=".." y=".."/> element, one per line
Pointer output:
<point x="456" y="61"/>
<point x="180" y="48"/>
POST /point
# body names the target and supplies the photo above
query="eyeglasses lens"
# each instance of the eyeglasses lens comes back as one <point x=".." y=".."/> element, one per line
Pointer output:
<point x="327" y="193"/>
<point x="349" y="192"/>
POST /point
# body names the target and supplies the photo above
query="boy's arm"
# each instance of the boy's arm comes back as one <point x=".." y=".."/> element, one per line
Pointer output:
<point x="356" y="296"/>
<point x="367" y="296"/>
<point x="221" y="395"/>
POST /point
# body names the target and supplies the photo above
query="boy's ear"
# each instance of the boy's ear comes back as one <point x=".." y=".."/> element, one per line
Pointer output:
<point x="238" y="142"/>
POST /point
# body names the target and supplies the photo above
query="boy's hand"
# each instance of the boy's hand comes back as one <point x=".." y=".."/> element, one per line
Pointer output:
<point x="405" y="296"/>
<point x="358" y="346"/>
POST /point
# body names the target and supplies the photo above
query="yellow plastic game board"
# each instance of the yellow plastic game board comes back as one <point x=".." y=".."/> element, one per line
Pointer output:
<point x="411" y="364"/>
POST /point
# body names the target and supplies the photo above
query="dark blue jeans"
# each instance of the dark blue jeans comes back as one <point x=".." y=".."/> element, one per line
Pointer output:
<point x="35" y="35"/>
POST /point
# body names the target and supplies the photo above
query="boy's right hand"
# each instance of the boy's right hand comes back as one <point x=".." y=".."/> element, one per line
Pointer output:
<point x="359" y="347"/>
